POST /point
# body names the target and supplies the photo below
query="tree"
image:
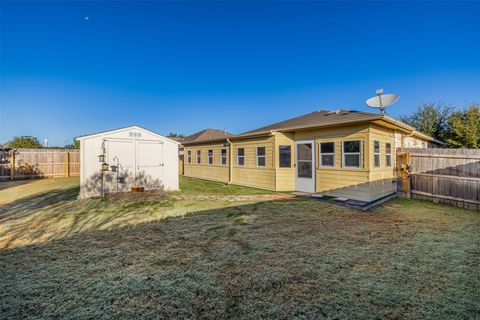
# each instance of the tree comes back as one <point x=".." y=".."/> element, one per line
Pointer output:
<point x="24" y="142"/>
<point x="431" y="119"/>
<point x="74" y="145"/>
<point x="175" y="135"/>
<point x="465" y="128"/>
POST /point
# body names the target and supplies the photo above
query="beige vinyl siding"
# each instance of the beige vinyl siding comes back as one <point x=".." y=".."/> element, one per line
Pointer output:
<point x="284" y="177"/>
<point x="381" y="179"/>
<point x="351" y="183"/>
<point x="215" y="171"/>
<point x="365" y="183"/>
<point x="250" y="174"/>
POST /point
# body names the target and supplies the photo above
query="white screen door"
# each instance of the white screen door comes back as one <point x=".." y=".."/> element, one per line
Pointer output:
<point x="305" y="166"/>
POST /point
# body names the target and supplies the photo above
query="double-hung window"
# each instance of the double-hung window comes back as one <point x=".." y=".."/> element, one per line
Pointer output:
<point x="241" y="156"/>
<point x="388" y="154"/>
<point x="210" y="156"/>
<point x="376" y="153"/>
<point x="261" y="157"/>
<point x="189" y="156"/>
<point x="223" y="156"/>
<point x="352" y="154"/>
<point x="285" y="156"/>
<point x="199" y="156"/>
<point x="327" y="154"/>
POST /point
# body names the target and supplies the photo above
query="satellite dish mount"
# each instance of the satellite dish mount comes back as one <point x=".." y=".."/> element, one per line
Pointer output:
<point x="382" y="101"/>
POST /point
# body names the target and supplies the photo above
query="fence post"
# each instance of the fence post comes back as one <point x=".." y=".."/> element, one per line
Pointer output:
<point x="12" y="164"/>
<point x="67" y="164"/>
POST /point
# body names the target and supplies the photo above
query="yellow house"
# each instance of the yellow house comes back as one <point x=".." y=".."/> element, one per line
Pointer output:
<point x="346" y="154"/>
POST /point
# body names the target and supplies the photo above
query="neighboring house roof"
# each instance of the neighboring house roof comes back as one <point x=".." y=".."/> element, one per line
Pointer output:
<point x="207" y="135"/>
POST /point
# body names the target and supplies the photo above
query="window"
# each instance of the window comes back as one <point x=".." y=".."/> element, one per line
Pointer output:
<point x="241" y="156"/>
<point x="352" y="154"/>
<point x="327" y="154"/>
<point x="210" y="156"/>
<point x="189" y="156"/>
<point x="199" y="156"/>
<point x="261" y="157"/>
<point x="388" y="154"/>
<point x="376" y="153"/>
<point x="223" y="155"/>
<point x="285" y="154"/>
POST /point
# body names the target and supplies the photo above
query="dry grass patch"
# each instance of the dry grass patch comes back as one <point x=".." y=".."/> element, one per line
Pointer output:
<point x="279" y="259"/>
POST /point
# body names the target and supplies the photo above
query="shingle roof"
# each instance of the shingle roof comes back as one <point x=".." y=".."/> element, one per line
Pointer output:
<point x="316" y="119"/>
<point x="207" y="135"/>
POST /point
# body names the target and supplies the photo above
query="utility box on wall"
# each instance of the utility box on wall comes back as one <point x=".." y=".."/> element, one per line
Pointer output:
<point x="126" y="158"/>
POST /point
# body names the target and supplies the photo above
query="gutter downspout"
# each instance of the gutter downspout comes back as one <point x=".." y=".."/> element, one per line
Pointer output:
<point x="230" y="162"/>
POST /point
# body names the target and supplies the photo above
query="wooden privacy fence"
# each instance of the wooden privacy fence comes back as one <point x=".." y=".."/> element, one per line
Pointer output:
<point x="450" y="176"/>
<point x="35" y="163"/>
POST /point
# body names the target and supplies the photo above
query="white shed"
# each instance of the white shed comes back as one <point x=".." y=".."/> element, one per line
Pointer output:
<point x="136" y="157"/>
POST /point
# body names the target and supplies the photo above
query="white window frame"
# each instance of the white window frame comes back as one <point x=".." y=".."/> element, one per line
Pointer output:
<point x="210" y="157"/>
<point x="223" y="156"/>
<point x="360" y="155"/>
<point x="189" y="156"/>
<point x="387" y="155"/>
<point x="327" y="154"/>
<point x="379" y="154"/>
<point x="264" y="156"/>
<point x="238" y="157"/>
<point x="199" y="156"/>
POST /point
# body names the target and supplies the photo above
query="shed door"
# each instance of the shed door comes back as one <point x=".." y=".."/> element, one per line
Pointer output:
<point x="121" y="153"/>
<point x="149" y="171"/>
<point x="305" y="166"/>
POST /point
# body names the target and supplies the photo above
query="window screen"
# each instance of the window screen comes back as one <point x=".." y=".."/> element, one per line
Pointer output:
<point x="210" y="156"/>
<point x="223" y="155"/>
<point x="261" y="157"/>
<point x="327" y="154"/>
<point x="199" y="156"/>
<point x="241" y="156"/>
<point x="388" y="154"/>
<point x="351" y="154"/>
<point x="285" y="156"/>
<point x="376" y="153"/>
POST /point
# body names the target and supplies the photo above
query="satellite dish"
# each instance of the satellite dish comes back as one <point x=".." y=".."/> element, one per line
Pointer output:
<point x="382" y="101"/>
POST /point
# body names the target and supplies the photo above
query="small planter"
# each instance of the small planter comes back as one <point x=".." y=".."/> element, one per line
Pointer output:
<point x="138" y="189"/>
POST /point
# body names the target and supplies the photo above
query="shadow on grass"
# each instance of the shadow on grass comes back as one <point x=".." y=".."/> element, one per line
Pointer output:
<point x="279" y="259"/>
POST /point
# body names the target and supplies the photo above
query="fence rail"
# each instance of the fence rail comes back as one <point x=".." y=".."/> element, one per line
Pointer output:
<point x="35" y="163"/>
<point x="450" y="176"/>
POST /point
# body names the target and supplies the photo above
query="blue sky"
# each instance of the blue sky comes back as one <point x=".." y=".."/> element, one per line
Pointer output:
<point x="183" y="67"/>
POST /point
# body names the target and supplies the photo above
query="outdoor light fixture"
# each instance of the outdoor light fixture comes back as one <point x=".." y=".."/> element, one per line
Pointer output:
<point x="101" y="158"/>
<point x="114" y="168"/>
<point x="104" y="166"/>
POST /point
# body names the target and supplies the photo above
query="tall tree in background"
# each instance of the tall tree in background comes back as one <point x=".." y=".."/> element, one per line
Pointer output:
<point x="431" y="119"/>
<point x="175" y="135"/>
<point x="24" y="142"/>
<point x="465" y="128"/>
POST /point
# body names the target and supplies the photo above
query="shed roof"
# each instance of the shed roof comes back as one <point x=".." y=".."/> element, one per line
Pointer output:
<point x="122" y="129"/>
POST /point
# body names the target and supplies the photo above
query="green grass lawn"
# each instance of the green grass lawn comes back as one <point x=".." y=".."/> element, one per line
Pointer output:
<point x="71" y="259"/>
<point x="196" y="186"/>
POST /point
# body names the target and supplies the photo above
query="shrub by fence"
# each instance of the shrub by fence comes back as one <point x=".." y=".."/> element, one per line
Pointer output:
<point x="35" y="163"/>
<point x="449" y="176"/>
